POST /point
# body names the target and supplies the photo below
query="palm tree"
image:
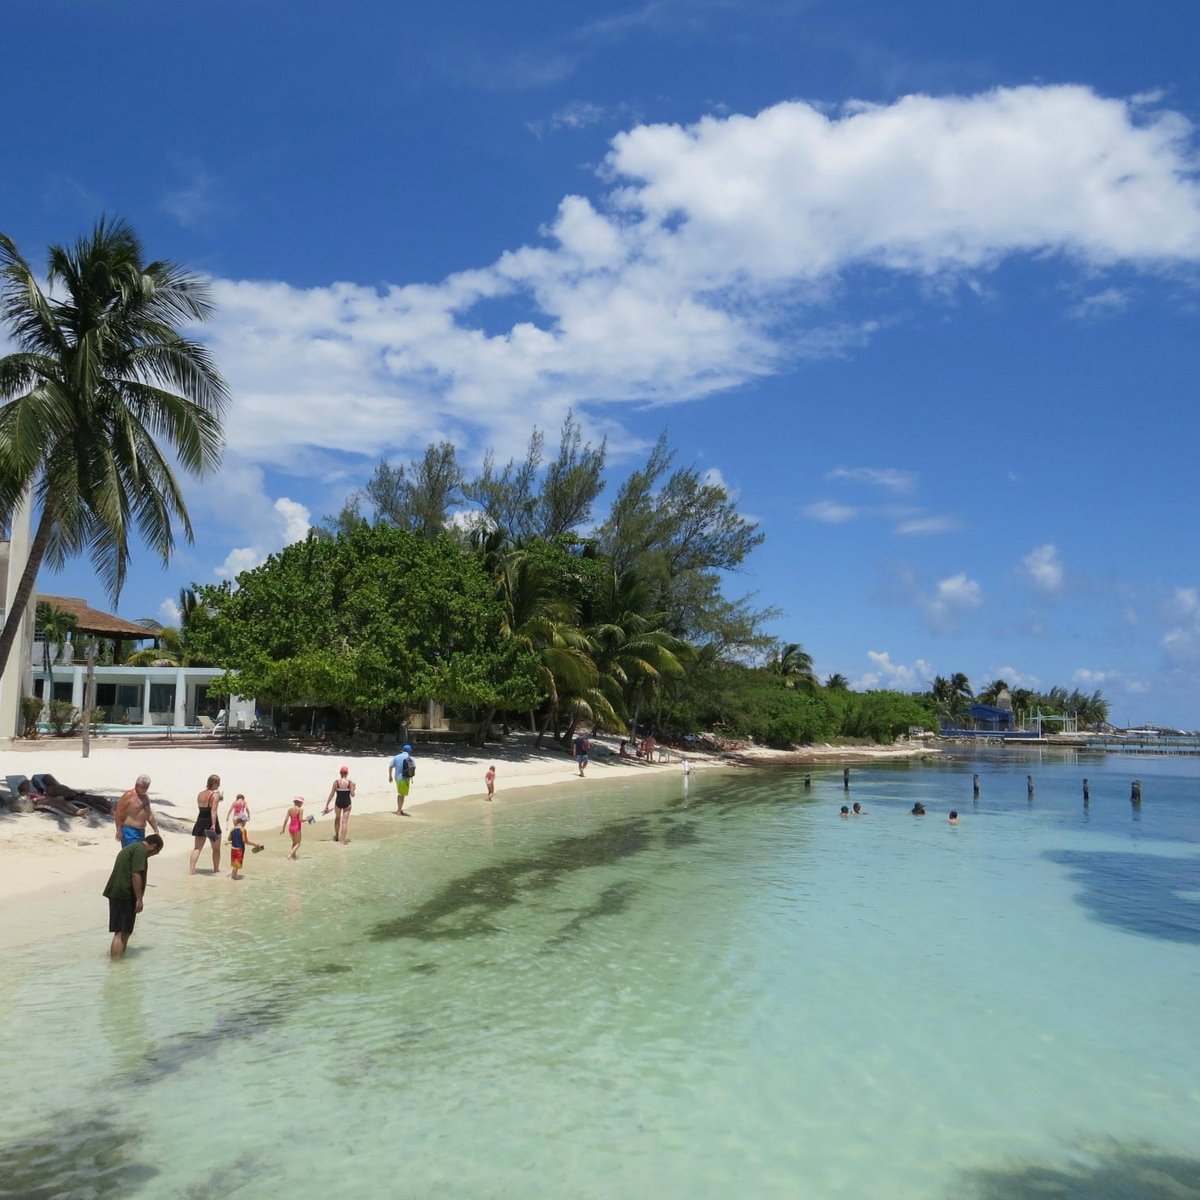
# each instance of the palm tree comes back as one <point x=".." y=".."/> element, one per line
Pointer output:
<point x="634" y="651"/>
<point x="794" y="665"/>
<point x="55" y="625"/>
<point x="991" y="693"/>
<point x="544" y="621"/>
<point x="102" y="391"/>
<point x="168" y="649"/>
<point x="837" y="683"/>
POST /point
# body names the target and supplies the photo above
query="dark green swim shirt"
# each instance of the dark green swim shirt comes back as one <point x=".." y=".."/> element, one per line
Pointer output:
<point x="133" y="860"/>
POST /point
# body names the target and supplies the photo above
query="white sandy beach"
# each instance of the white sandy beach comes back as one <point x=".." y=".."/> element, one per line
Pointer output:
<point x="52" y="869"/>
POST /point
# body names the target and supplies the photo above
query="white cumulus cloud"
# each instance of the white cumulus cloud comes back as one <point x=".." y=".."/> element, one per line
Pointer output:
<point x="829" y="512"/>
<point x="898" y="676"/>
<point x="682" y="276"/>
<point x="951" y="600"/>
<point x="891" y="478"/>
<point x="1043" y="568"/>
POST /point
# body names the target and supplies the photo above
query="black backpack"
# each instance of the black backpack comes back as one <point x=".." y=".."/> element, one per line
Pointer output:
<point x="408" y="769"/>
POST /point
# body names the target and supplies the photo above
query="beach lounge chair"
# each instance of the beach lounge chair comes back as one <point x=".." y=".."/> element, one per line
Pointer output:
<point x="14" y="782"/>
<point x="206" y="723"/>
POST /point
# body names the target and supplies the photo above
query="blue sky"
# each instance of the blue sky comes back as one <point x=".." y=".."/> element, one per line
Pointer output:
<point x="919" y="281"/>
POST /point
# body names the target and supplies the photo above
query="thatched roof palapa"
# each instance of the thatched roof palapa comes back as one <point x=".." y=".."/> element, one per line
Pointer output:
<point x="92" y="620"/>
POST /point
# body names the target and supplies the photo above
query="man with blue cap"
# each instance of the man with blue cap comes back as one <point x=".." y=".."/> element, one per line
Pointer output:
<point x="402" y="768"/>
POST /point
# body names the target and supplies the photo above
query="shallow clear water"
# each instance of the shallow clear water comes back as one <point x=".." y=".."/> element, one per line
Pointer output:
<point x="633" y="990"/>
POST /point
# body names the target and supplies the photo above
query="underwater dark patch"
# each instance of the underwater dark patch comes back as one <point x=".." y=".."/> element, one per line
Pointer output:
<point x="611" y="902"/>
<point x="79" y="1160"/>
<point x="1108" y="1170"/>
<point x="464" y="906"/>
<point x="1140" y="893"/>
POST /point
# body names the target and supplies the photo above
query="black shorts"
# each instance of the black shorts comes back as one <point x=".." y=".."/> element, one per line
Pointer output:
<point x="121" y="915"/>
<point x="342" y="801"/>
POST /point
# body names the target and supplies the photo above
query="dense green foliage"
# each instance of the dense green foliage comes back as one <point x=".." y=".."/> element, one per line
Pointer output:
<point x="482" y="594"/>
<point x="371" y="623"/>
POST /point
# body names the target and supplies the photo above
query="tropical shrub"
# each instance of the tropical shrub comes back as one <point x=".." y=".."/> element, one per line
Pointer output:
<point x="64" y="717"/>
<point x="31" y="713"/>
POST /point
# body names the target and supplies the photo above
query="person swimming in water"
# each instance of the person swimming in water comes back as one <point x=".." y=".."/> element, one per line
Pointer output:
<point x="858" y="810"/>
<point x="918" y="809"/>
<point x="953" y="817"/>
<point x="845" y="812"/>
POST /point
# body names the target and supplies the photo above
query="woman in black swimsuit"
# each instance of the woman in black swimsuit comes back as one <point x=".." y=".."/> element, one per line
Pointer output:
<point x="341" y="794"/>
<point x="208" y="824"/>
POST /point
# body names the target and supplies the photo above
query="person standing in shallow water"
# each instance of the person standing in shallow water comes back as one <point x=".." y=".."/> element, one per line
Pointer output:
<point x="341" y="794"/>
<point x="489" y="780"/>
<point x="208" y="824"/>
<point x="126" y="889"/>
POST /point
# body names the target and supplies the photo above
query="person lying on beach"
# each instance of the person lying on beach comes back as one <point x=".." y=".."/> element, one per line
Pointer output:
<point x="293" y="823"/>
<point x="67" y="808"/>
<point x="49" y="786"/>
<point x="918" y="809"/>
<point x="238" y="841"/>
<point x="489" y="779"/>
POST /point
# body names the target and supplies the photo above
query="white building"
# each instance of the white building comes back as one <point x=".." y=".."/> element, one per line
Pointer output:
<point x="127" y="698"/>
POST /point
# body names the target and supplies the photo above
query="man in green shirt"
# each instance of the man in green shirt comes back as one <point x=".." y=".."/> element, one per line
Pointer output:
<point x="126" y="888"/>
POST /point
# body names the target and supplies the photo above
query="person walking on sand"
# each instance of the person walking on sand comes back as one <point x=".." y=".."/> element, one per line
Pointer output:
<point x="208" y="824"/>
<point x="238" y="841"/>
<point x="489" y="779"/>
<point x="293" y="823"/>
<point x="133" y="811"/>
<point x="582" y="749"/>
<point x="402" y="768"/>
<point x="126" y="889"/>
<point x="341" y="794"/>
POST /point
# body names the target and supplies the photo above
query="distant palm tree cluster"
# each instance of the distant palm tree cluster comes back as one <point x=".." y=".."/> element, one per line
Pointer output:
<point x="952" y="697"/>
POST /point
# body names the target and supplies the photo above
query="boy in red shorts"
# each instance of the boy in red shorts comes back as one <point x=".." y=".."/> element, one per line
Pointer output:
<point x="238" y="842"/>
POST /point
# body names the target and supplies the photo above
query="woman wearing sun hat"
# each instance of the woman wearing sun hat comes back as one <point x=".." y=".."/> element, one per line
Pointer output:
<point x="341" y="794"/>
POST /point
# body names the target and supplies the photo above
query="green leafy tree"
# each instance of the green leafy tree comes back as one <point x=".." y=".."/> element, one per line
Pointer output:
<point x="102" y="393"/>
<point x="837" y="683"/>
<point x="390" y="619"/>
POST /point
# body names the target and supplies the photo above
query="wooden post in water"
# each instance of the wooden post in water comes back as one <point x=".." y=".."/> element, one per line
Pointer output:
<point x="846" y="779"/>
<point x="807" y="782"/>
<point x="1135" y="792"/>
<point x="975" y="786"/>
<point x="1029" y="786"/>
<point x="1087" y="792"/>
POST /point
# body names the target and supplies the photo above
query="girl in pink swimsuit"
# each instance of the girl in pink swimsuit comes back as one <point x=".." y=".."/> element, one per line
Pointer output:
<point x="294" y="823"/>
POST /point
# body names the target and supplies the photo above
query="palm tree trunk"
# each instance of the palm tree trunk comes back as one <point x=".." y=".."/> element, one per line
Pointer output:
<point x="20" y="599"/>
<point x="541" y="737"/>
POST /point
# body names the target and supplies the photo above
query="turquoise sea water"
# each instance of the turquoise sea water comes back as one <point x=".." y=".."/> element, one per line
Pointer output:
<point x="641" y="990"/>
